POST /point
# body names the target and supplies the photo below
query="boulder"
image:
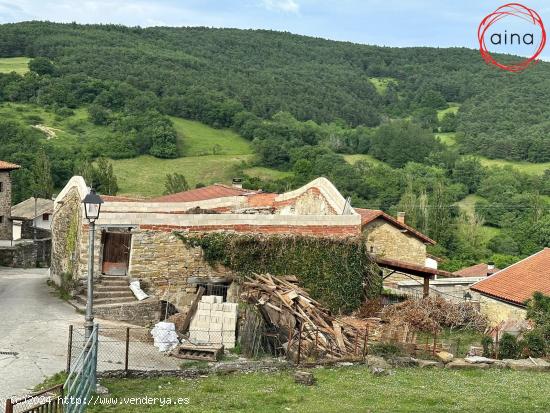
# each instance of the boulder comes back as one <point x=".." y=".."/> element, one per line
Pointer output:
<point x="403" y="361"/>
<point x="444" y="356"/>
<point x="527" y="364"/>
<point x="458" y="364"/>
<point x="377" y="362"/>
<point x="304" y="377"/>
<point x="430" y="364"/>
<point x="475" y="351"/>
<point x="479" y="359"/>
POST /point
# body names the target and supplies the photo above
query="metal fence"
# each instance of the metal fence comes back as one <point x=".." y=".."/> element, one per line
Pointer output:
<point x="81" y="382"/>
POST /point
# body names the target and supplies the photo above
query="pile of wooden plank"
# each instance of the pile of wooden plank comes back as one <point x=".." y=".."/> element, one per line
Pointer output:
<point x="304" y="325"/>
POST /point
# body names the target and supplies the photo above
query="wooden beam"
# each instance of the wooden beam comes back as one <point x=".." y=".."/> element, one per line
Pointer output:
<point x="192" y="310"/>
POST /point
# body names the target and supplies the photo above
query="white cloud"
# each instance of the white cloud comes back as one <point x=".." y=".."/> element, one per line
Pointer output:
<point x="287" y="6"/>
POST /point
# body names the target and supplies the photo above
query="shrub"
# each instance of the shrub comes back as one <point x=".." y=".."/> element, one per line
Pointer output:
<point x="509" y="347"/>
<point x="488" y="346"/>
<point x="385" y="350"/>
<point x="535" y="344"/>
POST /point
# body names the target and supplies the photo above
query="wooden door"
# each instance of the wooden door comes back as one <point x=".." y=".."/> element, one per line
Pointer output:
<point x="116" y="253"/>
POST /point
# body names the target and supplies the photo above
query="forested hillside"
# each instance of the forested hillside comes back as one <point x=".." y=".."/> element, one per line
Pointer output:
<point x="419" y="120"/>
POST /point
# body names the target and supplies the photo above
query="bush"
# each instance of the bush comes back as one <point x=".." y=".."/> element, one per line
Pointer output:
<point x="385" y="350"/>
<point x="509" y="347"/>
<point x="534" y="343"/>
<point x="488" y="346"/>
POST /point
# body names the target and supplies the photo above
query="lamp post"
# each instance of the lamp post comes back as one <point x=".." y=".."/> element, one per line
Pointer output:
<point x="92" y="205"/>
<point x="467" y="296"/>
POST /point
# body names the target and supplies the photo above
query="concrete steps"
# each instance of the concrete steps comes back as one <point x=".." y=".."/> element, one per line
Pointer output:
<point x="111" y="290"/>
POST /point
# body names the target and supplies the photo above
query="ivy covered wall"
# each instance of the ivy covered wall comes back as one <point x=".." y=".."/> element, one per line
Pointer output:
<point x="337" y="272"/>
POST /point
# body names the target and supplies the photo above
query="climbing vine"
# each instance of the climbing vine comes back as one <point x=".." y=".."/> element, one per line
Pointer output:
<point x="337" y="272"/>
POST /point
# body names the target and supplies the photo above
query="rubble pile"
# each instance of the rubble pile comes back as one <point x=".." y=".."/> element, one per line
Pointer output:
<point x="301" y="322"/>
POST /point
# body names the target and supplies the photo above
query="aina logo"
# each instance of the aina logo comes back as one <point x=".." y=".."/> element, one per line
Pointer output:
<point x="496" y="34"/>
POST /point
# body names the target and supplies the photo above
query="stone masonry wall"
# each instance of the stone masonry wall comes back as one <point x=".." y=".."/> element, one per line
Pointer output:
<point x="389" y="242"/>
<point x="5" y="207"/>
<point x="497" y="311"/>
<point x="163" y="263"/>
<point x="66" y="237"/>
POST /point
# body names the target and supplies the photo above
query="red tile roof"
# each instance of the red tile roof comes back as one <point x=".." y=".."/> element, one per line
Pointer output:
<point x="201" y="194"/>
<point x="369" y="215"/>
<point x="8" y="166"/>
<point x="478" y="270"/>
<point x="113" y="198"/>
<point x="518" y="282"/>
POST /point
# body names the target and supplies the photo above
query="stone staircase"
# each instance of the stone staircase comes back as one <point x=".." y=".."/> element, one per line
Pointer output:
<point x="110" y="290"/>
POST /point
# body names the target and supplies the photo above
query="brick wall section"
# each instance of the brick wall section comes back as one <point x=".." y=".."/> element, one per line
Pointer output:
<point x="5" y="207"/>
<point x="389" y="242"/>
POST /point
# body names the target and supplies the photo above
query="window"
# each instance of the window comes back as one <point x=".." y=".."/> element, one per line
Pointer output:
<point x="1" y="186"/>
<point x="1" y="219"/>
<point x="45" y="217"/>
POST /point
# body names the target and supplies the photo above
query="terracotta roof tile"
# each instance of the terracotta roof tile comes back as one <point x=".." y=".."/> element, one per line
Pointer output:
<point x="478" y="270"/>
<point x="201" y="194"/>
<point x="518" y="282"/>
<point x="369" y="215"/>
<point x="8" y="166"/>
<point x="113" y="198"/>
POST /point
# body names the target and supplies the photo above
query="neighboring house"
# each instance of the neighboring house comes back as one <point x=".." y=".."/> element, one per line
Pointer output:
<point x="5" y="200"/>
<point x="478" y="270"/>
<point x="32" y="217"/>
<point x="503" y="294"/>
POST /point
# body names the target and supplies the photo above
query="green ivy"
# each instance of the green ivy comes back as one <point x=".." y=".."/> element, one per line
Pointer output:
<point x="337" y="272"/>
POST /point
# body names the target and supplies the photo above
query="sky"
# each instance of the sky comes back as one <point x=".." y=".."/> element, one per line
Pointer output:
<point x="397" y="23"/>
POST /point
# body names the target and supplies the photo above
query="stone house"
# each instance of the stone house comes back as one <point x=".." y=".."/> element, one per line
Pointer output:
<point x="31" y="218"/>
<point x="6" y="231"/>
<point x="503" y="294"/>
<point x="135" y="237"/>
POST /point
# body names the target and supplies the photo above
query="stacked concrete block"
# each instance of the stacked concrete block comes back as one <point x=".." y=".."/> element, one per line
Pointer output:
<point x="214" y="322"/>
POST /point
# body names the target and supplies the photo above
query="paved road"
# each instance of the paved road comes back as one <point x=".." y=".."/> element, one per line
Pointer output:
<point x="34" y="324"/>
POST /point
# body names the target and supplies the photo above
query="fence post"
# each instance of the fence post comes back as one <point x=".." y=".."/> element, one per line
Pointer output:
<point x="299" y="344"/>
<point x="496" y="343"/>
<point x="435" y="341"/>
<point x="9" y="406"/>
<point x="365" y="342"/>
<point x="70" y="349"/>
<point x="127" y="354"/>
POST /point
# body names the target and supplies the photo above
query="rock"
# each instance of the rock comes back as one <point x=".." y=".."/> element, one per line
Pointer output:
<point x="377" y="362"/>
<point x="345" y="364"/>
<point x="463" y="364"/>
<point x="444" y="356"/>
<point x="479" y="359"/>
<point x="499" y="364"/>
<point x="475" y="351"/>
<point x="378" y="371"/>
<point x="304" y="377"/>
<point x="430" y="364"/>
<point x="527" y="364"/>
<point x="403" y="362"/>
<point x="101" y="390"/>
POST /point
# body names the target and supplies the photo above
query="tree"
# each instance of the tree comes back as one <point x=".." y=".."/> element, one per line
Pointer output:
<point x="104" y="176"/>
<point x="42" y="66"/>
<point x="175" y="183"/>
<point x="42" y="177"/>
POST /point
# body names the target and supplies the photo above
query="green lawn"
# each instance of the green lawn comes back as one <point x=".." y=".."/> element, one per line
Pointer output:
<point x="447" y="138"/>
<point x="468" y="205"/>
<point x="14" y="64"/>
<point x="266" y="174"/>
<point x="350" y="389"/>
<point x="144" y="175"/>
<point x="381" y="83"/>
<point x="197" y="139"/>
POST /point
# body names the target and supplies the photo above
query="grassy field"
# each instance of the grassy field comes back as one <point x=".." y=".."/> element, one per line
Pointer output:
<point x="351" y="389"/>
<point x="527" y="167"/>
<point x="144" y="175"/>
<point x="468" y="205"/>
<point x="197" y="139"/>
<point x="14" y="64"/>
<point x="447" y="138"/>
<point x="453" y="108"/>
<point x="266" y="174"/>
<point x="381" y="83"/>
<point x="353" y="159"/>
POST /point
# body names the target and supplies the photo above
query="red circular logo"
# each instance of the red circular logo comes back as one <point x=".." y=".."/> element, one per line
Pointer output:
<point x="514" y="10"/>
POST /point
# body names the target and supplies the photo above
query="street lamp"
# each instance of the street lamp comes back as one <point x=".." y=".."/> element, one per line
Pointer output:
<point x="92" y="205"/>
<point x="467" y="296"/>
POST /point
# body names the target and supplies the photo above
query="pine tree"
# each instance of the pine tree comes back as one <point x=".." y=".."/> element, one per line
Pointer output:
<point x="42" y="177"/>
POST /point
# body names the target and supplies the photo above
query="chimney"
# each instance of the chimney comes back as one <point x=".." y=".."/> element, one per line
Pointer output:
<point x="237" y="183"/>
<point x="401" y="217"/>
<point x="490" y="268"/>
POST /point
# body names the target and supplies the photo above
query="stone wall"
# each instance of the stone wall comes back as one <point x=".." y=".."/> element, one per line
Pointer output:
<point x="28" y="231"/>
<point x="163" y="264"/>
<point x="5" y="207"/>
<point x="390" y="242"/>
<point x="498" y="311"/>
<point x="26" y="254"/>
<point x="141" y="313"/>
<point x="66" y="237"/>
